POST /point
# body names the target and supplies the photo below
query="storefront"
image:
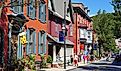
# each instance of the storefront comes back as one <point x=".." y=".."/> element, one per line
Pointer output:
<point x="57" y="47"/>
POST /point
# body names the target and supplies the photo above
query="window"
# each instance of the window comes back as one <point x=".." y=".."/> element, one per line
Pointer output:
<point x="31" y="41"/>
<point x="71" y="30"/>
<point x="42" y="12"/>
<point x="17" y="6"/>
<point x="41" y="42"/>
<point x="56" y="28"/>
<point x="31" y="11"/>
<point x="85" y="33"/>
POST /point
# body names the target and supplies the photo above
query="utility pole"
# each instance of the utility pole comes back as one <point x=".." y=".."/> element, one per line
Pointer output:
<point x="64" y="25"/>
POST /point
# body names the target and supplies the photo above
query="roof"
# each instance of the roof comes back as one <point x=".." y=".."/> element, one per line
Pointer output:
<point x="80" y="11"/>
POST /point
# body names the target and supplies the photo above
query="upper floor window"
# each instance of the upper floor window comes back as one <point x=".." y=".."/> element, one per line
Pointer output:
<point x="31" y="11"/>
<point x="71" y="30"/>
<point x="31" y="41"/>
<point x="17" y="6"/>
<point x="42" y="11"/>
<point x="42" y="42"/>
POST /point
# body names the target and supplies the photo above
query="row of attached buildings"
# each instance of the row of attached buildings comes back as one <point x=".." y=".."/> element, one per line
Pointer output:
<point x="41" y="22"/>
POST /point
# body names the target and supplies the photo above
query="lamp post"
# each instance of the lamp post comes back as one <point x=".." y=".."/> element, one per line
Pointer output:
<point x="64" y="31"/>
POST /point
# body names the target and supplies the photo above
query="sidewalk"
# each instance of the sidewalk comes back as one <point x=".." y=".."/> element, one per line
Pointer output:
<point x="69" y="67"/>
<point x="62" y="68"/>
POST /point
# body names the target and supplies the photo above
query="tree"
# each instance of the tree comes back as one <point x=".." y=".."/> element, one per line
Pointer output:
<point x="117" y="6"/>
<point x="117" y="16"/>
<point x="104" y="25"/>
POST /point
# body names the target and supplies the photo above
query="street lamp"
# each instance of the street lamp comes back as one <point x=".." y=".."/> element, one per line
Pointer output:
<point x="64" y="32"/>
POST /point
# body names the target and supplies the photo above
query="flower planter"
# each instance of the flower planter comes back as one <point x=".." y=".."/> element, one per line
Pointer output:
<point x="60" y="64"/>
<point x="48" y="65"/>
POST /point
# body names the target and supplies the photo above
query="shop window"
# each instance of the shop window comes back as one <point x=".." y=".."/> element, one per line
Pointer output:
<point x="42" y="11"/>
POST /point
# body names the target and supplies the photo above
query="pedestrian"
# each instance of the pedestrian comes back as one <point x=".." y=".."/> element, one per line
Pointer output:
<point x="82" y="57"/>
<point x="75" y="60"/>
<point x="71" y="59"/>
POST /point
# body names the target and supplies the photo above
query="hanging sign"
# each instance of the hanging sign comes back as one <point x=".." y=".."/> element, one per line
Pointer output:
<point x="23" y="38"/>
<point x="61" y="36"/>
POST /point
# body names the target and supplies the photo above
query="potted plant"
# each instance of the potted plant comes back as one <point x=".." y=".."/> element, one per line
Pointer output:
<point x="49" y="61"/>
<point x="27" y="63"/>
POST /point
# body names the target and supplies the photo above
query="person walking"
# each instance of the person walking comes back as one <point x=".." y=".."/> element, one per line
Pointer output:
<point x="75" y="60"/>
<point x="71" y="57"/>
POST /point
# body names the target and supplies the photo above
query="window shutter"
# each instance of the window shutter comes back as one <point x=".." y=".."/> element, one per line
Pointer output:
<point x="34" y="10"/>
<point x="22" y="51"/>
<point x="39" y="44"/>
<point x="28" y="36"/>
<point x="44" y="44"/>
<point x="34" y="42"/>
<point x="18" y="49"/>
<point x="20" y="7"/>
<point x="42" y="12"/>
<point x="28" y="10"/>
<point x="31" y="9"/>
<point x="16" y="8"/>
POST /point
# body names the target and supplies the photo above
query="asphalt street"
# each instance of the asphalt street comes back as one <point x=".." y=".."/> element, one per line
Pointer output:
<point x="102" y="65"/>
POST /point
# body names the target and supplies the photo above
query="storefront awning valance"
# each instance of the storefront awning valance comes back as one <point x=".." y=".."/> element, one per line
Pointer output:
<point x="56" y="39"/>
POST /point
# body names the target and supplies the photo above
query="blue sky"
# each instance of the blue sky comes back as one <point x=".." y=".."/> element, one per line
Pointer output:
<point x="95" y="5"/>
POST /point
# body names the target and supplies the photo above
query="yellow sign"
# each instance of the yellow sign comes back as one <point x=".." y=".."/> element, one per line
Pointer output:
<point x="23" y="39"/>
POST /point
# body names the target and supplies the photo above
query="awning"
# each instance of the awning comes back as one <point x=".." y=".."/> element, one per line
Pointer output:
<point x="68" y="42"/>
<point x="83" y="40"/>
<point x="56" y="39"/>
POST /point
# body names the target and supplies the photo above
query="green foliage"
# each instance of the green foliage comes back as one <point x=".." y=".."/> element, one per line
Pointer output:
<point x="117" y="17"/>
<point x="49" y="59"/>
<point x="104" y="25"/>
<point x="117" y="6"/>
<point x="44" y="63"/>
<point x="28" y="61"/>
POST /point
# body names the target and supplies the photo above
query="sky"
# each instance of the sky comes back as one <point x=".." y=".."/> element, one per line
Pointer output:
<point x="95" y="5"/>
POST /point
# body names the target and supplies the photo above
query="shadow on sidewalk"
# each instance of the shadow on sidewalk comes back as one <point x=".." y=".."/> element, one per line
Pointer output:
<point x="88" y="67"/>
<point x="100" y="63"/>
<point x="102" y="68"/>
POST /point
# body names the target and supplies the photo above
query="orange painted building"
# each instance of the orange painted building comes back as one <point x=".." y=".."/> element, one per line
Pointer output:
<point x="36" y="12"/>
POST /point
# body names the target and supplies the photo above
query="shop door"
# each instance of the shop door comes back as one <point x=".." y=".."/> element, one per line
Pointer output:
<point x="1" y="46"/>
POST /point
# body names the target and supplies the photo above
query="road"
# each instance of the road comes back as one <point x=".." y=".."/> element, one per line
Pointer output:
<point x="102" y="65"/>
